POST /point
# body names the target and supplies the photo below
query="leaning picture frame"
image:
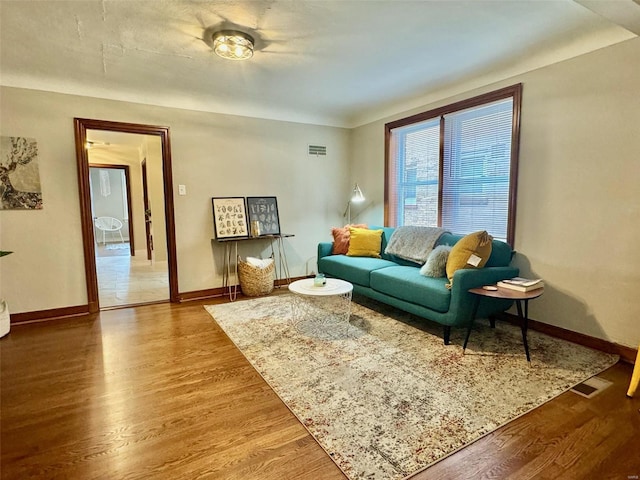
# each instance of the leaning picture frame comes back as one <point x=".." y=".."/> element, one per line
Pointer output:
<point x="263" y="216"/>
<point x="229" y="217"/>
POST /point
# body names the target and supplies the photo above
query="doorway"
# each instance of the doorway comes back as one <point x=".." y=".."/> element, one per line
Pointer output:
<point x="110" y="158"/>
<point x="111" y="208"/>
<point x="123" y="188"/>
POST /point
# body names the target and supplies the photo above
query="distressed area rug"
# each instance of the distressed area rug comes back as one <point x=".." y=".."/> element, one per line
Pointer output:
<point x="384" y="397"/>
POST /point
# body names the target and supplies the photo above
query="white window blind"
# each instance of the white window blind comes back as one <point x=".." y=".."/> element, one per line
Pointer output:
<point x="476" y="169"/>
<point x="417" y="173"/>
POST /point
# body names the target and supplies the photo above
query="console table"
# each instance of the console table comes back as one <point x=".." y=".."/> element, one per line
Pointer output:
<point x="231" y="248"/>
<point x="505" y="293"/>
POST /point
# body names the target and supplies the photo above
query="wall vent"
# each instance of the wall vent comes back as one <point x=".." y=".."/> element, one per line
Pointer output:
<point x="317" y="150"/>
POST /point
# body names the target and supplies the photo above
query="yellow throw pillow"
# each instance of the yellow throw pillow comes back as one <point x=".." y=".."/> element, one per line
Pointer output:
<point x="364" y="242"/>
<point x="341" y="238"/>
<point x="471" y="251"/>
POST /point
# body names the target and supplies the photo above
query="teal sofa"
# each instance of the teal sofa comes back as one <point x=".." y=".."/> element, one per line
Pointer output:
<point x="397" y="282"/>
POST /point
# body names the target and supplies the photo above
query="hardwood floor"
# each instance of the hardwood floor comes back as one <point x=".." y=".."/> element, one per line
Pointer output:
<point x="160" y="392"/>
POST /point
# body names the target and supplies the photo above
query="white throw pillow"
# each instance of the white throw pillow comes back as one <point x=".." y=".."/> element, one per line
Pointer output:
<point x="259" y="262"/>
<point x="436" y="264"/>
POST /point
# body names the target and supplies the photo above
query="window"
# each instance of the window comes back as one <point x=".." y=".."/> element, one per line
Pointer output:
<point x="456" y="166"/>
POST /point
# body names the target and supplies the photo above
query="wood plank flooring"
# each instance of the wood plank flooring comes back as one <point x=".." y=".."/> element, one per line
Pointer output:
<point x="159" y="392"/>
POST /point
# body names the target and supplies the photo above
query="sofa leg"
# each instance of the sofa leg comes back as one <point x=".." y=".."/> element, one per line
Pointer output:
<point x="447" y="335"/>
<point x="492" y="321"/>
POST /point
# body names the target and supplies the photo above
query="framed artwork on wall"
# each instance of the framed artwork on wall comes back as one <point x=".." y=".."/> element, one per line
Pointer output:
<point x="263" y="213"/>
<point x="229" y="217"/>
<point x="20" y="187"/>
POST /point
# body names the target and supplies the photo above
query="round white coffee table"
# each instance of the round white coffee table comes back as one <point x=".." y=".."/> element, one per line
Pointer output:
<point x="326" y="305"/>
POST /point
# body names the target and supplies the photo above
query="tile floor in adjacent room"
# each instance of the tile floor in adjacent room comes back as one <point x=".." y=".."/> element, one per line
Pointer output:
<point x="126" y="280"/>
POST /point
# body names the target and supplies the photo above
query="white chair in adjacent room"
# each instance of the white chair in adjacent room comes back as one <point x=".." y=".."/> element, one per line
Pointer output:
<point x="109" y="224"/>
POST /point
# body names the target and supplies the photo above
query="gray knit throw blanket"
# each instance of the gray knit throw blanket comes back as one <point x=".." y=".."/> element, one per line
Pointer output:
<point x="413" y="243"/>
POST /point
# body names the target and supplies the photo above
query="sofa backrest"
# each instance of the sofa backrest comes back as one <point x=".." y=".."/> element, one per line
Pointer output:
<point x="386" y="235"/>
<point x="501" y="252"/>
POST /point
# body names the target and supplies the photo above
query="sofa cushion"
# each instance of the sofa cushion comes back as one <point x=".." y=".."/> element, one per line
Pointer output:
<point x="472" y="251"/>
<point x="406" y="283"/>
<point x="341" y="236"/>
<point x="364" y="242"/>
<point x="436" y="264"/>
<point x="352" y="269"/>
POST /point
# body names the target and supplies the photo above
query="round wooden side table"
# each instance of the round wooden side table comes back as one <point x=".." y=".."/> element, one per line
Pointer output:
<point x="506" y="294"/>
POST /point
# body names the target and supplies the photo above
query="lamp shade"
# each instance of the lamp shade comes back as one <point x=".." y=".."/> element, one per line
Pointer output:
<point x="357" y="196"/>
<point x="233" y="44"/>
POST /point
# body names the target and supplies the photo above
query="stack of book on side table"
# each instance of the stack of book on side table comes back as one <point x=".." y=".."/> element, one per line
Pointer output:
<point x="521" y="284"/>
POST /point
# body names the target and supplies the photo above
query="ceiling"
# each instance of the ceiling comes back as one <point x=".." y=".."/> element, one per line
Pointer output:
<point x="328" y="62"/>
<point x="108" y="144"/>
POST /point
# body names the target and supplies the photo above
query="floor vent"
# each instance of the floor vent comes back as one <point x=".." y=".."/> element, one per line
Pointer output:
<point x="317" y="150"/>
<point x="591" y="387"/>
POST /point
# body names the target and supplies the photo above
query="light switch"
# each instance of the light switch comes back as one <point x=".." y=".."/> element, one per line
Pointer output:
<point x="182" y="189"/>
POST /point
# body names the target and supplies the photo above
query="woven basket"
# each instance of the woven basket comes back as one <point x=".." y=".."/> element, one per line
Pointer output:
<point x="255" y="281"/>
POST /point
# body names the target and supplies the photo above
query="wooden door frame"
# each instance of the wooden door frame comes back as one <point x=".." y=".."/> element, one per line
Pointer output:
<point x="127" y="181"/>
<point x="81" y="125"/>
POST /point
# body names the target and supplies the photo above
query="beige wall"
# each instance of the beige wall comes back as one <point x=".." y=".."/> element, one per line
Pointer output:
<point x="578" y="212"/>
<point x="213" y="155"/>
<point x="578" y="202"/>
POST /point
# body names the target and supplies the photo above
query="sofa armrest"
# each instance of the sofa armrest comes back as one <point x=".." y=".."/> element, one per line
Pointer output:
<point x="467" y="278"/>
<point x="325" y="249"/>
<point x="462" y="302"/>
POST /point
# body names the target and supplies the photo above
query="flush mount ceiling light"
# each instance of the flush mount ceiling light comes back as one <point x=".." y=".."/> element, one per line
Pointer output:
<point x="233" y="44"/>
